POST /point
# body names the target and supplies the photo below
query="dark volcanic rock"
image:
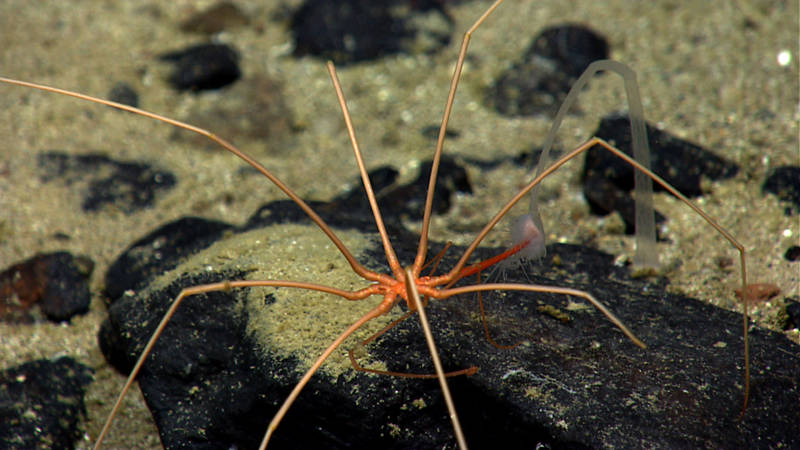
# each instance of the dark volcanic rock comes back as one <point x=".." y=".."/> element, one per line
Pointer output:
<point x="351" y="31"/>
<point x="203" y="67"/>
<point x="408" y="200"/>
<point x="160" y="251"/>
<point x="58" y="283"/>
<point x="608" y="180"/>
<point x="574" y="382"/>
<point x="785" y="183"/>
<point x="679" y="162"/>
<point x="792" y="313"/>
<point x="540" y="81"/>
<point x="603" y="196"/>
<point x="572" y="47"/>
<point x="147" y="258"/>
<point x="41" y="404"/>
<point x="125" y="94"/>
<point x="127" y="185"/>
<point x="792" y="253"/>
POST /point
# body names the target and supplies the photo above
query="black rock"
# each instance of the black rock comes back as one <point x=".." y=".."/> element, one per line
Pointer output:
<point x="203" y="67"/>
<point x="792" y="253"/>
<point x="148" y="257"/>
<point x="573" y="47"/>
<point x="452" y="179"/>
<point x="42" y="404"/>
<point x="160" y="251"/>
<point x="540" y="81"/>
<point x="407" y="200"/>
<point x="125" y="94"/>
<point x="210" y="383"/>
<point x="608" y="180"/>
<point x="353" y="31"/>
<point x="56" y="282"/>
<point x="603" y="196"/>
<point x="432" y="132"/>
<point x="679" y="162"/>
<point x="792" y="313"/>
<point x="785" y="183"/>
<point x="127" y="185"/>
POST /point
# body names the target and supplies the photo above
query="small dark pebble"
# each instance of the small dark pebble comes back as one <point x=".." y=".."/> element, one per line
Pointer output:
<point x="785" y="183"/>
<point x="57" y="282"/>
<point x="539" y="82"/>
<point x="125" y="94"/>
<point x="203" y="67"/>
<point x="724" y="262"/>
<point x="758" y="292"/>
<point x="530" y="157"/>
<point x="218" y="17"/>
<point x="127" y="185"/>
<point x="792" y="253"/>
<point x="61" y="236"/>
<point x="792" y="313"/>
<point x="432" y="132"/>
<point x="42" y="404"/>
<point x="351" y="31"/>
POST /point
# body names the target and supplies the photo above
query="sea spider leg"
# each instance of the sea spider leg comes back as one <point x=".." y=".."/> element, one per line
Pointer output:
<point x="411" y="288"/>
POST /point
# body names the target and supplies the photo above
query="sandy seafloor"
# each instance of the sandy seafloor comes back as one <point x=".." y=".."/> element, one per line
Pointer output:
<point x="708" y="72"/>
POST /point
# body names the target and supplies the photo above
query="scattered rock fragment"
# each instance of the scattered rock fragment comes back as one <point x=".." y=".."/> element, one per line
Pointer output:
<point x="127" y="185"/>
<point x="58" y="283"/>
<point x="792" y="253"/>
<point x="540" y="81"/>
<point x="784" y="182"/>
<point x="125" y="94"/>
<point x="792" y="313"/>
<point x="399" y="201"/>
<point x="42" y="404"/>
<point x="203" y="67"/>
<point x="353" y="31"/>
<point x="608" y="180"/>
